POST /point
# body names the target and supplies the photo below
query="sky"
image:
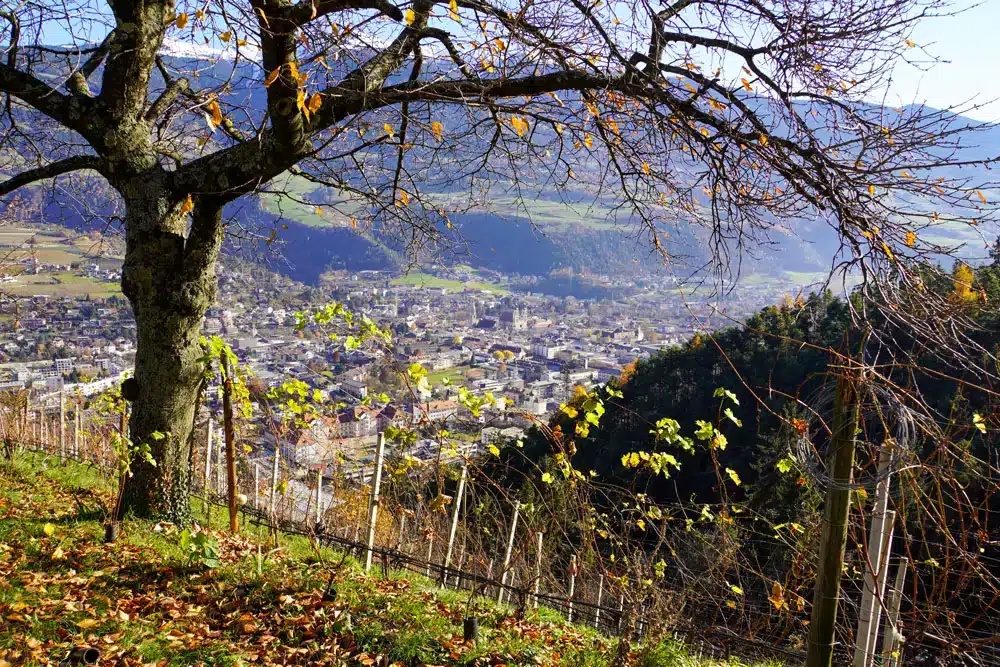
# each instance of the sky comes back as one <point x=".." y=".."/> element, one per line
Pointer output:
<point x="969" y="48"/>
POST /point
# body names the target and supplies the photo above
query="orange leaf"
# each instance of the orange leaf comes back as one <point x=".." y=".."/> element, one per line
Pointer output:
<point x="182" y="20"/>
<point x="187" y="206"/>
<point x="315" y="102"/>
<point x="272" y="77"/>
<point x="982" y="197"/>
<point x="911" y="238"/>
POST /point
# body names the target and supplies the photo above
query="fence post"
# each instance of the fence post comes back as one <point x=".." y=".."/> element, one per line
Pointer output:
<point x="834" y="537"/>
<point x="319" y="494"/>
<point x="600" y="595"/>
<point x="76" y="430"/>
<point x="572" y="586"/>
<point x="870" y="612"/>
<point x="256" y="485"/>
<point x="206" y="482"/>
<point x="374" y="500"/>
<point x="510" y="549"/>
<point x="227" y="425"/>
<point x="274" y="479"/>
<point x="430" y="550"/>
<point x="62" y="425"/>
<point x="895" y="599"/>
<point x="538" y="567"/>
<point x="454" y="524"/>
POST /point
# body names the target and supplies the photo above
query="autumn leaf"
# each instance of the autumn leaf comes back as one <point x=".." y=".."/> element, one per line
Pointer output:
<point x="547" y="477"/>
<point x="746" y="84"/>
<point x="453" y="10"/>
<point x="182" y="20"/>
<point x="763" y="140"/>
<point x="982" y="197"/>
<point x="438" y="130"/>
<point x="409" y="17"/>
<point x="645" y="168"/>
<point x="911" y="239"/>
<point x="909" y="43"/>
<point x="589" y="140"/>
<point x="86" y="623"/>
<point x="734" y="476"/>
<point x="519" y="124"/>
<point x="354" y="223"/>
<point x="49" y="529"/>
<point x="315" y="101"/>
<point x="389" y="130"/>
<point x="905" y="174"/>
<point x="871" y="190"/>
<point x="272" y="77"/>
<point x="187" y="206"/>
<point x="226" y="36"/>
<point x="777" y="596"/>
<point x="404" y="198"/>
<point x="215" y="115"/>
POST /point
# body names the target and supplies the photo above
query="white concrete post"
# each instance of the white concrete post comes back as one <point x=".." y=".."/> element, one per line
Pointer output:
<point x="870" y="610"/>
<point x="274" y="480"/>
<point x="889" y="641"/>
<point x="256" y="485"/>
<point x="459" y="493"/>
<point x="76" y="431"/>
<point x="374" y="500"/>
<point x="510" y="549"/>
<point x="430" y="550"/>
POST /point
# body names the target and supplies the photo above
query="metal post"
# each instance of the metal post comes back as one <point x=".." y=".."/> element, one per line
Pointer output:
<point x="454" y="524"/>
<point x="833" y="540"/>
<point x="374" y="500"/>
<point x="538" y="567"/>
<point x="510" y="549"/>
<point x="572" y="586"/>
<point x="256" y="485"/>
<point x="871" y="609"/>
<point x="891" y="633"/>
<point x="274" y="479"/>
<point x="76" y="431"/>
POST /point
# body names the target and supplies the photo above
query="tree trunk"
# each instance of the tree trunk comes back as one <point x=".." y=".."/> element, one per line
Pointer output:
<point x="169" y="278"/>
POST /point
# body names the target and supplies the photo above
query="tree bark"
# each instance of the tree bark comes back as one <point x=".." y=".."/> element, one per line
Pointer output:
<point x="169" y="278"/>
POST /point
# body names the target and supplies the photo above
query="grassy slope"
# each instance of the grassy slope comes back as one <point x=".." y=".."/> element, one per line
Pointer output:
<point x="141" y="604"/>
<point x="420" y="279"/>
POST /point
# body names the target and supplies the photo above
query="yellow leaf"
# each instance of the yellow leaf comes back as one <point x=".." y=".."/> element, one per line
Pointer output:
<point x="215" y="115"/>
<point x="982" y="197"/>
<point x="300" y="102"/>
<point x="409" y="17"/>
<point x="226" y="36"/>
<point x="354" y="223"/>
<point x="909" y="43"/>
<point x="645" y="167"/>
<point x="404" y="198"/>
<point x="589" y="140"/>
<point x="905" y="174"/>
<point x="272" y="77"/>
<point x="49" y="529"/>
<point x="818" y="67"/>
<point x="911" y="238"/>
<point x="453" y="9"/>
<point x="315" y="102"/>
<point x="763" y="140"/>
<point x="887" y="251"/>
<point x="199" y="14"/>
<point x="438" y="130"/>
<point x="871" y="190"/>
<point x="520" y="125"/>
<point x="86" y="623"/>
<point x="318" y="211"/>
<point x="777" y="596"/>
<point x="746" y="84"/>
<point x="187" y="206"/>
<point x="704" y="131"/>
<point x="182" y="20"/>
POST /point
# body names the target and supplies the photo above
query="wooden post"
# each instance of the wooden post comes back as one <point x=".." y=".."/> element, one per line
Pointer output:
<point x="207" y="480"/>
<point x="274" y="479"/>
<point x="834" y="537"/>
<point x="454" y="524"/>
<point x="430" y="550"/>
<point x="76" y="431"/>
<point x="62" y="425"/>
<point x="319" y="495"/>
<point x="227" y="425"/>
<point x="374" y="499"/>
<point x="600" y="595"/>
<point x="510" y="549"/>
<point x="572" y="586"/>
<point x="895" y="599"/>
<point x="538" y="568"/>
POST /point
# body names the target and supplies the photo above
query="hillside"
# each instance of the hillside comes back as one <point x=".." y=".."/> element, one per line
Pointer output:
<point x="141" y="601"/>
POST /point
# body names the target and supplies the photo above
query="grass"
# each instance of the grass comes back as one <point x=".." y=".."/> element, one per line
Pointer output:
<point x="142" y="603"/>
<point x="419" y="279"/>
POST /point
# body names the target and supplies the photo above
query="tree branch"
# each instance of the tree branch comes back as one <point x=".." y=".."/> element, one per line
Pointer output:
<point x="308" y="10"/>
<point x="77" y="82"/>
<point x="74" y="112"/>
<point x="51" y="170"/>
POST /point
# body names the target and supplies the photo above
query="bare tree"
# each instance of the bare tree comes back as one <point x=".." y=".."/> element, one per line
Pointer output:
<point x="738" y="117"/>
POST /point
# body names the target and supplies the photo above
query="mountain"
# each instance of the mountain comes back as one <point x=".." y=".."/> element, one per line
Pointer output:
<point x="529" y="232"/>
